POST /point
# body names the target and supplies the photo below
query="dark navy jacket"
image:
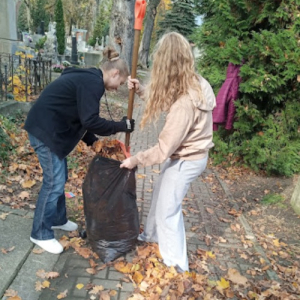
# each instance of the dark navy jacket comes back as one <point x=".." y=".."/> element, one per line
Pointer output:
<point x="68" y="111"/>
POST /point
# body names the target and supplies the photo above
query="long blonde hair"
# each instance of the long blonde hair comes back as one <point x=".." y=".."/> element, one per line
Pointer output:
<point x="172" y="75"/>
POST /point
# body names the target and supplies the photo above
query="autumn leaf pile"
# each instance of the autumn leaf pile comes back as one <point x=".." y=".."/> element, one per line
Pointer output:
<point x="109" y="149"/>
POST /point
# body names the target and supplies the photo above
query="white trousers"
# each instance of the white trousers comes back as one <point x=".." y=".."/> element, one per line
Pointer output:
<point x="165" y="224"/>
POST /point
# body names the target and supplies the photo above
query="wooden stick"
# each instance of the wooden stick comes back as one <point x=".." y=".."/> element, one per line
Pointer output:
<point x="140" y="10"/>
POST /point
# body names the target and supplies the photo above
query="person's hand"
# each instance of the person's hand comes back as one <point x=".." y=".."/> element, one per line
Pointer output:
<point x="97" y="146"/>
<point x="128" y="124"/>
<point x="133" y="83"/>
<point x="128" y="163"/>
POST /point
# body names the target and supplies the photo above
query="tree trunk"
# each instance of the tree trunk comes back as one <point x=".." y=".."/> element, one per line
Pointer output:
<point x="121" y="33"/>
<point x="149" y="24"/>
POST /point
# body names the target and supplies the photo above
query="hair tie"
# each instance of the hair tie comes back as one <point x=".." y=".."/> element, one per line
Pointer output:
<point x="115" y="58"/>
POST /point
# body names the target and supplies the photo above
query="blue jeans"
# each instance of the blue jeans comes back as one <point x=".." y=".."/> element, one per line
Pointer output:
<point x="51" y="203"/>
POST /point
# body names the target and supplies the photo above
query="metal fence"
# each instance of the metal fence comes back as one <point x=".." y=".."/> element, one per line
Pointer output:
<point x="23" y="76"/>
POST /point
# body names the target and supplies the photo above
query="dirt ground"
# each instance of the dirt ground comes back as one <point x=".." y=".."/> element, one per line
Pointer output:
<point x="253" y="193"/>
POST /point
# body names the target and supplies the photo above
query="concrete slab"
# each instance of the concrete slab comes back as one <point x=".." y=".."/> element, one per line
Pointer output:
<point x="25" y="281"/>
<point x="15" y="232"/>
<point x="19" y="266"/>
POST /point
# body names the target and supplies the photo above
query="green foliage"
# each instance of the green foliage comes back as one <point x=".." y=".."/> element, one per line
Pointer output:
<point x="180" y="18"/>
<point x="60" y="27"/>
<point x="39" y="14"/>
<point x="22" y="22"/>
<point x="8" y="127"/>
<point x="40" y="43"/>
<point x="272" y="199"/>
<point x="5" y="145"/>
<point x="264" y="34"/>
<point x="102" y="24"/>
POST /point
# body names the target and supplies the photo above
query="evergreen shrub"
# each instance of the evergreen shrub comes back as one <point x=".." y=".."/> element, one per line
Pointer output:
<point x="263" y="35"/>
<point x="60" y="27"/>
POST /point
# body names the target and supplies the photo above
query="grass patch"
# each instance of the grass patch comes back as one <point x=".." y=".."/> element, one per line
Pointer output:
<point x="272" y="199"/>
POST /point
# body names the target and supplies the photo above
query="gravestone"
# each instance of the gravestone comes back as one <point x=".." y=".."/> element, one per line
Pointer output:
<point x="50" y="46"/>
<point x="8" y="27"/>
<point x="295" y="202"/>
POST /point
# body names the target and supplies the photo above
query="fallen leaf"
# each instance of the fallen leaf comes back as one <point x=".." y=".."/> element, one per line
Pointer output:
<point x="38" y="250"/>
<point x="93" y="264"/>
<point x="223" y="284"/>
<point x="136" y="297"/>
<point x="28" y="183"/>
<point x="46" y="283"/>
<point x="276" y="243"/>
<point x="79" y="286"/>
<point x="91" y="271"/>
<point x="52" y="275"/>
<point x="225" y="220"/>
<point x="38" y="286"/>
<point x="41" y="273"/>
<point x="113" y="293"/>
<point x="101" y="267"/>
<point x="84" y="252"/>
<point x="23" y="195"/>
<point x="14" y="298"/>
<point x="62" y="295"/>
<point x="244" y="256"/>
<point x="104" y="295"/>
<point x="222" y="240"/>
<point x="5" y="251"/>
<point x="96" y="289"/>
<point x="236" y="277"/>
<point x="141" y="176"/>
<point x="10" y="293"/>
<point x="143" y="286"/>
<point x="137" y="277"/>
<point x="209" y="210"/>
<point x="155" y="171"/>
<point x="3" y="216"/>
<point x="123" y="267"/>
<point x="234" y="212"/>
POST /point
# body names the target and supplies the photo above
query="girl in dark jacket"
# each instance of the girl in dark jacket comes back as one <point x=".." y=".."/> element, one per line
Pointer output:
<point x="66" y="112"/>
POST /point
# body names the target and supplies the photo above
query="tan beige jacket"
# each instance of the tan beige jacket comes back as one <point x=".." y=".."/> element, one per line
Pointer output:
<point x="188" y="130"/>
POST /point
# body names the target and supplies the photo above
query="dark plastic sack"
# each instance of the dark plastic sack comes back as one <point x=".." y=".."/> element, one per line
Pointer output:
<point x="111" y="214"/>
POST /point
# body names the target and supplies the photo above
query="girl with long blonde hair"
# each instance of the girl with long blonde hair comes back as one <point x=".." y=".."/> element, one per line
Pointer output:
<point x="183" y="144"/>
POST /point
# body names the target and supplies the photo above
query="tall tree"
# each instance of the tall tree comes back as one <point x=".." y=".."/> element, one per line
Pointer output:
<point x="149" y="24"/>
<point x="263" y="36"/>
<point x="29" y="4"/>
<point x="39" y="14"/>
<point x="23" y="18"/>
<point x="180" y="18"/>
<point x="60" y="27"/>
<point x="121" y="31"/>
<point x="81" y="13"/>
<point x="103" y="20"/>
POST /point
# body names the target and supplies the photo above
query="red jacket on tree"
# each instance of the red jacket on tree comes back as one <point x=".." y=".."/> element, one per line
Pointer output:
<point x="224" y="112"/>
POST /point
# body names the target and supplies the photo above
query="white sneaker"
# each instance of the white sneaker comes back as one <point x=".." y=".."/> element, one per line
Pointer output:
<point x="141" y="237"/>
<point x="52" y="246"/>
<point x="69" y="226"/>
